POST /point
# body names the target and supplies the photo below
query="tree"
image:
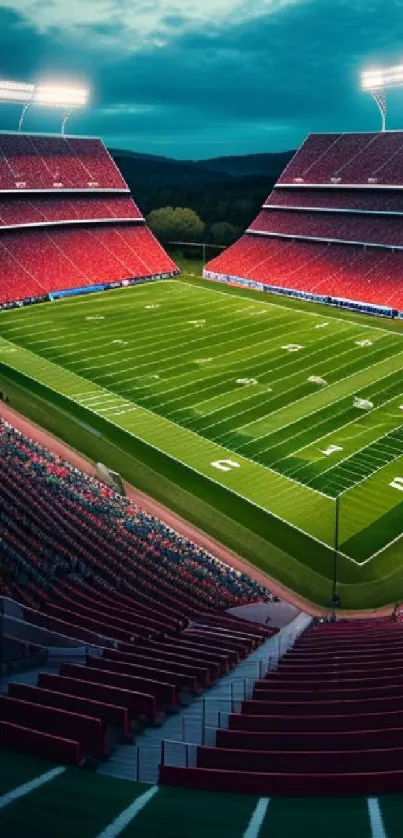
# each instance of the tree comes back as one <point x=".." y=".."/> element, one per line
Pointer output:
<point x="222" y="232"/>
<point x="176" y="224"/>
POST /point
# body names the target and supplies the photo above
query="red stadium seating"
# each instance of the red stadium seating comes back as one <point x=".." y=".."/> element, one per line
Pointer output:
<point x="18" y="738"/>
<point x="361" y="200"/>
<point x="89" y="731"/>
<point x="311" y="207"/>
<point x="32" y="161"/>
<point x="375" y="159"/>
<point x="36" y="262"/>
<point x="16" y="212"/>
<point x="318" y="738"/>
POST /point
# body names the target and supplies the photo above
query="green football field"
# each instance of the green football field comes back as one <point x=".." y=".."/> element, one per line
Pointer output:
<point x="262" y="409"/>
<point x="36" y="801"/>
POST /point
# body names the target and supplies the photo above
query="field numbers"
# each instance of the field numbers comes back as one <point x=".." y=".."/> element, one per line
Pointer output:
<point x="397" y="483"/>
<point x="225" y="465"/>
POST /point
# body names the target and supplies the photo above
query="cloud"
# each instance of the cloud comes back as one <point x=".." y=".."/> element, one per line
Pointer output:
<point x="200" y="77"/>
<point x="145" y="21"/>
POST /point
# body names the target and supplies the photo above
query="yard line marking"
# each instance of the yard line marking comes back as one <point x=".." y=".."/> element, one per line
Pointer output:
<point x="32" y="785"/>
<point x="318" y="394"/>
<point x="301" y="310"/>
<point x="127" y="815"/>
<point x="258" y="816"/>
<point x="375" y="818"/>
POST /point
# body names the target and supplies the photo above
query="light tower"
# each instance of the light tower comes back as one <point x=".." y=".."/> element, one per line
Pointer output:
<point x="377" y="82"/>
<point x="44" y="95"/>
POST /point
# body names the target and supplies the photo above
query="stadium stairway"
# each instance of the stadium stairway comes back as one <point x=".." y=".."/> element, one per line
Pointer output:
<point x="198" y="721"/>
<point x="328" y="721"/>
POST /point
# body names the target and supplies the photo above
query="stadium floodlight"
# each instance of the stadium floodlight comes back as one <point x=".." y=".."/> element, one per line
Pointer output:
<point x="43" y="95"/>
<point x="377" y="81"/>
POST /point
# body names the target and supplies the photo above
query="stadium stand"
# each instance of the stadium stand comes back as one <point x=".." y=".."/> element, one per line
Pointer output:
<point x="41" y="210"/>
<point x="348" y="159"/>
<point x="87" y="564"/>
<point x="56" y="196"/>
<point x="38" y="162"/>
<point x="327" y="722"/>
<point x="316" y="238"/>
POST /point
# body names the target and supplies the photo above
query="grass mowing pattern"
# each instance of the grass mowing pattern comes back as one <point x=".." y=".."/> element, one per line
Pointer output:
<point x="201" y="375"/>
<point x="82" y="803"/>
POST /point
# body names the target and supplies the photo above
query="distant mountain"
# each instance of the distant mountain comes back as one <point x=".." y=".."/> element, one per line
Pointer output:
<point x="270" y="164"/>
<point x="167" y="172"/>
<point x="221" y="189"/>
<point x="164" y="171"/>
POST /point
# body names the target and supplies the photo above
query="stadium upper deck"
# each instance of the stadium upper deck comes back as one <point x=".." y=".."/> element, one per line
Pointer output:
<point x="348" y="159"/>
<point x="40" y="162"/>
<point x="331" y="229"/>
<point x="67" y="220"/>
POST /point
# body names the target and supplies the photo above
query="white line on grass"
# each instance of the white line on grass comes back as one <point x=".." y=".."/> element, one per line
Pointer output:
<point x="127" y="815"/>
<point x="32" y="785"/>
<point x="301" y="310"/>
<point x="258" y="816"/>
<point x="375" y="818"/>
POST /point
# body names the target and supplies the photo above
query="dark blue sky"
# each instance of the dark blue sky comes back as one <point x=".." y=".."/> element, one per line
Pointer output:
<point x="200" y="78"/>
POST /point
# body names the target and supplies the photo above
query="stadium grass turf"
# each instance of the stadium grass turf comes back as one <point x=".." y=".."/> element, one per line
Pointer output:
<point x="80" y="803"/>
<point x="146" y="398"/>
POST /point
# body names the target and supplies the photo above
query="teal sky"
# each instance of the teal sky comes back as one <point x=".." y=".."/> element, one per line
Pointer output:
<point x="199" y="78"/>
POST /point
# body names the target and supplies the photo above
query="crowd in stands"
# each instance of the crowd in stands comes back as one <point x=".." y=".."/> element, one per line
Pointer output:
<point x="370" y="275"/>
<point x="57" y="522"/>
<point x="36" y="262"/>
<point x="40" y="209"/>
<point x="31" y="161"/>
<point x="373" y="158"/>
<point x="355" y="227"/>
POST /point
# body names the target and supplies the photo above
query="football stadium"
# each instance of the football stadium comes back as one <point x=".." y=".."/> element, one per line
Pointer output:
<point x="201" y="508"/>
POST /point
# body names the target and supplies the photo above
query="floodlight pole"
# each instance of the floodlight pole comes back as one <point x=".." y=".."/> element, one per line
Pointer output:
<point x="335" y="595"/>
<point x="66" y="116"/>
<point x="22" y="117"/>
<point x="380" y="98"/>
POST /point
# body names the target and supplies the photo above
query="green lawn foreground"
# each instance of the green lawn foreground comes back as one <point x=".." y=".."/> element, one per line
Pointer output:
<point x="81" y="804"/>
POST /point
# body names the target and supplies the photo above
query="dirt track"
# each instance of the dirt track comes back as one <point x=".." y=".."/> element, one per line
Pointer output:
<point x="175" y="521"/>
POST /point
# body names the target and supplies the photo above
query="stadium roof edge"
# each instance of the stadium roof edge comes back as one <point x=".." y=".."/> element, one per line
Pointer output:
<point x="58" y="135"/>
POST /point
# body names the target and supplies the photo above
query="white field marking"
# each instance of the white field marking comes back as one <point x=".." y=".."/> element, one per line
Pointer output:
<point x="397" y="483"/>
<point x="311" y="362"/>
<point x="127" y="815"/>
<point x="205" y="476"/>
<point x="175" y="322"/>
<point x="321" y="325"/>
<point x="225" y="465"/>
<point x="309" y="396"/>
<point x="300" y="310"/>
<point x="246" y="381"/>
<point x="31" y="785"/>
<point x="342" y="427"/>
<point x="160" y="352"/>
<point x="203" y="360"/>
<point x="232" y="491"/>
<point x="95" y="317"/>
<point x="362" y="404"/>
<point x="182" y="356"/>
<point x="292" y="347"/>
<point x="363" y="342"/>
<point x="375" y="818"/>
<point x="258" y="816"/>
<point x="331" y="450"/>
<point x="285" y="376"/>
<point x="120" y="412"/>
<point x="116" y="406"/>
<point x="316" y="379"/>
<point x="379" y="469"/>
<point x="286" y="406"/>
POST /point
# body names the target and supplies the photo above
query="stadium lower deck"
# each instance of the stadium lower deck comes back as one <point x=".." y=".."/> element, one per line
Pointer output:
<point x="85" y="804"/>
<point x="300" y="406"/>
